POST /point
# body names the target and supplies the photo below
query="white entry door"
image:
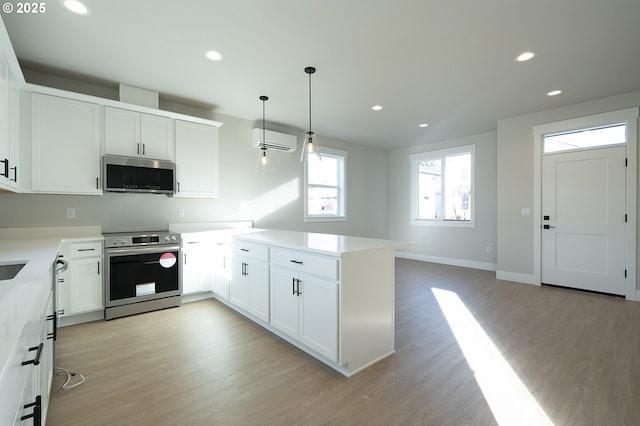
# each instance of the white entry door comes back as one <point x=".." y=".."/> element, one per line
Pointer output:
<point x="583" y="219"/>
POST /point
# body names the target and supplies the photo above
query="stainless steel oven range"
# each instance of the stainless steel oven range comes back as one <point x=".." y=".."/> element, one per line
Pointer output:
<point x="142" y="272"/>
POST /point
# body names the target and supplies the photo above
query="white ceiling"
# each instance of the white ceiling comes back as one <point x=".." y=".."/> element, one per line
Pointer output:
<point x="447" y="63"/>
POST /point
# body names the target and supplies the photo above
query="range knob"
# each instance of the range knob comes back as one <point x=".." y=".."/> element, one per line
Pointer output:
<point x="167" y="239"/>
<point x="173" y="238"/>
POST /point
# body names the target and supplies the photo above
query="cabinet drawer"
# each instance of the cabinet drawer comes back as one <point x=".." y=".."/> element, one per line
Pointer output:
<point x="252" y="250"/>
<point x="322" y="266"/>
<point x="89" y="249"/>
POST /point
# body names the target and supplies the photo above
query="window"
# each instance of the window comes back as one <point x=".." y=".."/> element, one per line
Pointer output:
<point x="442" y="184"/>
<point x="325" y="186"/>
<point x="585" y="138"/>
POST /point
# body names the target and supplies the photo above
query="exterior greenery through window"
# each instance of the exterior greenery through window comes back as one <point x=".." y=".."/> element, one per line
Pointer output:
<point x="442" y="186"/>
<point x="325" y="186"/>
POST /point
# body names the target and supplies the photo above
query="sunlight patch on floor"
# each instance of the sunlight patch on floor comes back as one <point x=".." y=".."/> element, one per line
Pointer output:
<point x="509" y="399"/>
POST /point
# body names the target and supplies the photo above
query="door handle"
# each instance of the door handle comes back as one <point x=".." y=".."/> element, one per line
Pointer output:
<point x="548" y="226"/>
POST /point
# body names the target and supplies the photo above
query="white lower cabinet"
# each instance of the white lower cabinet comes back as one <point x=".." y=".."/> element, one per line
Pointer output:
<point x="306" y="308"/>
<point x="249" y="287"/>
<point x="197" y="270"/>
<point x="31" y="371"/>
<point x="80" y="287"/>
<point x="221" y="258"/>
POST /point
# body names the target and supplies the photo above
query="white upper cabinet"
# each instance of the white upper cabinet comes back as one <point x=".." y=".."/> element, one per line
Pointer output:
<point x="66" y="146"/>
<point x="196" y="160"/>
<point x="10" y="82"/>
<point x="136" y="134"/>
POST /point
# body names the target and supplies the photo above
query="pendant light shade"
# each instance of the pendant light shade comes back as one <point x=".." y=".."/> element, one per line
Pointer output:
<point x="310" y="145"/>
<point x="264" y="160"/>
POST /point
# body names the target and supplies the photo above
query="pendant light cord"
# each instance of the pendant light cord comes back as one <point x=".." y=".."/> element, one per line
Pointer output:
<point x="309" y="102"/>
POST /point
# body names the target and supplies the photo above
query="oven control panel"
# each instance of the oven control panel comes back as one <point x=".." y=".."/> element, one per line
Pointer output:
<point x="134" y="239"/>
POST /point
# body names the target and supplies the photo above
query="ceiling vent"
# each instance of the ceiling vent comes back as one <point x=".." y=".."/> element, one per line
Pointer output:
<point x="274" y="140"/>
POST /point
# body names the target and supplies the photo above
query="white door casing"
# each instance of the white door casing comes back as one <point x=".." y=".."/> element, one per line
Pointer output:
<point x="583" y="219"/>
<point x="630" y="118"/>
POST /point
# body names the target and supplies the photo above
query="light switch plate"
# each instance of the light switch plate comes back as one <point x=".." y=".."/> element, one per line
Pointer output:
<point x="71" y="213"/>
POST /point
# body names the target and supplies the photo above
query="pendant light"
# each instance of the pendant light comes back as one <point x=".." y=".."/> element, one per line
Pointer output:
<point x="264" y="160"/>
<point x="310" y="145"/>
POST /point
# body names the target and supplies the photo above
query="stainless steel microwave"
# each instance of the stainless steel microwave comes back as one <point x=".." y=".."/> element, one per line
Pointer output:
<point x="133" y="174"/>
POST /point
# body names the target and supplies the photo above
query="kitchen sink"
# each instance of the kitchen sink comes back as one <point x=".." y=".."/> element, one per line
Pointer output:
<point x="8" y="271"/>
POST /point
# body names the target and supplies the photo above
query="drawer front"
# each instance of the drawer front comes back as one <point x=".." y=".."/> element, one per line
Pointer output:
<point x="308" y="263"/>
<point x="90" y="249"/>
<point x="254" y="251"/>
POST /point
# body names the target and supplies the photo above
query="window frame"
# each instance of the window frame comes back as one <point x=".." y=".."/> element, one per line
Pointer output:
<point x="440" y="154"/>
<point x="341" y="187"/>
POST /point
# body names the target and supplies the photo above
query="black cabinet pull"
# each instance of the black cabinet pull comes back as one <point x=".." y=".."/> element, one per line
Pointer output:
<point x="97" y="183"/>
<point x="297" y="262"/>
<point x="6" y="168"/>
<point x="54" y="334"/>
<point x="15" y="173"/>
<point x="98" y="267"/>
<point x="295" y="287"/>
<point x="37" y="411"/>
<point x="245" y="250"/>
<point x="36" y="360"/>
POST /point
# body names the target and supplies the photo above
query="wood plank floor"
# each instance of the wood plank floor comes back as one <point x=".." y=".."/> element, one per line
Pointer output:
<point x="578" y="354"/>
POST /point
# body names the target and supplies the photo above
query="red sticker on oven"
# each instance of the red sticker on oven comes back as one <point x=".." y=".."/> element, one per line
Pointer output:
<point x="167" y="260"/>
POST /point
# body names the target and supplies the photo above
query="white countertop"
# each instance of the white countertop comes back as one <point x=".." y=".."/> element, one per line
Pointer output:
<point x="327" y="244"/>
<point x="39" y="247"/>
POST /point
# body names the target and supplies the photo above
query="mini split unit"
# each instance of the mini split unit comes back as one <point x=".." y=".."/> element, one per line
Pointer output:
<point x="274" y="140"/>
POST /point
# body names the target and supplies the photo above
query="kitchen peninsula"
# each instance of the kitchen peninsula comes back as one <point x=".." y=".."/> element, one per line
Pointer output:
<point x="330" y="295"/>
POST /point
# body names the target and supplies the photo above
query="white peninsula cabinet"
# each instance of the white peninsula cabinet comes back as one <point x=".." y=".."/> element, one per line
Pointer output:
<point x="249" y="287"/>
<point x="66" y="146"/>
<point x="196" y="160"/>
<point x="330" y="295"/>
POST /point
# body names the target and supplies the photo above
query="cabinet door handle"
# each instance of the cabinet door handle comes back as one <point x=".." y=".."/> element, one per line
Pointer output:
<point x="54" y="334"/>
<point x="298" y="292"/>
<point x="97" y="183"/>
<point x="245" y="250"/>
<point x="143" y="149"/>
<point x="36" y="360"/>
<point x="245" y="270"/>
<point x="297" y="262"/>
<point x="293" y="286"/>
<point x="98" y="267"/>
<point x="37" y="411"/>
<point x="138" y="148"/>
<point x="185" y="258"/>
<point x="15" y="173"/>
<point x="6" y="168"/>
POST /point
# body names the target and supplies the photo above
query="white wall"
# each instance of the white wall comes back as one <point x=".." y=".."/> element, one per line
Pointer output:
<point x="515" y="234"/>
<point x="464" y="246"/>
<point x="274" y="200"/>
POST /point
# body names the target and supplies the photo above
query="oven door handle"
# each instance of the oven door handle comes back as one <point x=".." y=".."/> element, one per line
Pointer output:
<point x="140" y="250"/>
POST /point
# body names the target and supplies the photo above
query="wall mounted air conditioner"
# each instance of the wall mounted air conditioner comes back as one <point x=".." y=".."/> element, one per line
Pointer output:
<point x="275" y="140"/>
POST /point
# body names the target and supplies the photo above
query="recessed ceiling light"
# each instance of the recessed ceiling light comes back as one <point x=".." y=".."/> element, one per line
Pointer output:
<point x="554" y="92"/>
<point x="76" y="6"/>
<point x="525" y="56"/>
<point x="213" y="55"/>
<point x="423" y="125"/>
<point x="376" y="107"/>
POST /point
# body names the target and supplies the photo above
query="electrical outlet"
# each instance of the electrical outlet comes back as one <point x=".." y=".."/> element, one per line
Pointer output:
<point x="180" y="212"/>
<point x="71" y="213"/>
<point x="487" y="249"/>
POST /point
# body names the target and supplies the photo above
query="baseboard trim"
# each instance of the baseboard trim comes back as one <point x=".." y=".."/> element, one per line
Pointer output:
<point x="486" y="266"/>
<point x="516" y="277"/>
